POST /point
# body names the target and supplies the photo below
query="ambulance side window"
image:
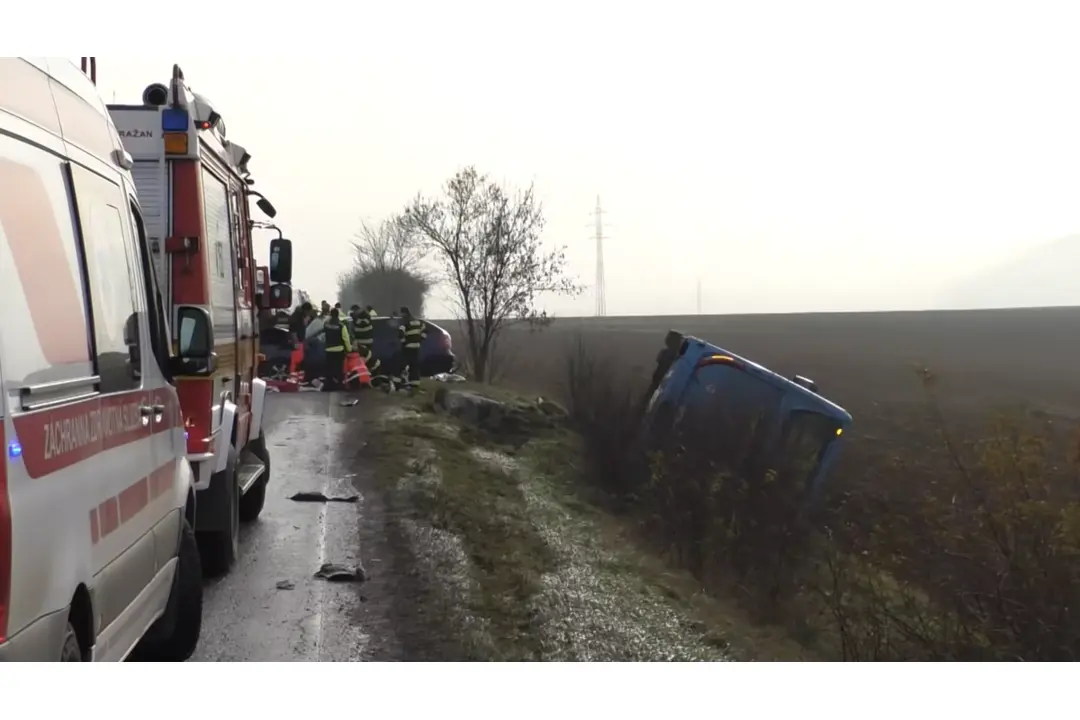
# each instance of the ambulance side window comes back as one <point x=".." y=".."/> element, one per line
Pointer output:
<point x="159" y="329"/>
<point x="114" y="286"/>
<point x="45" y="336"/>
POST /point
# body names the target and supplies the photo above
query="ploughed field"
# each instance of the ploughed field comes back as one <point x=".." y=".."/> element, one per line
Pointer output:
<point x="983" y="360"/>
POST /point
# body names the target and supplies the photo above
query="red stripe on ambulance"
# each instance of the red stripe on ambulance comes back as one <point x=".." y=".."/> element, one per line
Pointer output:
<point x="95" y="533"/>
<point x="110" y="515"/>
<point x="57" y="438"/>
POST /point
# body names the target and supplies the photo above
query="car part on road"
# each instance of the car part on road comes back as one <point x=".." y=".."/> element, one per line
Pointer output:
<point x="320" y="498"/>
<point x="174" y="637"/>
<point x="342" y="573"/>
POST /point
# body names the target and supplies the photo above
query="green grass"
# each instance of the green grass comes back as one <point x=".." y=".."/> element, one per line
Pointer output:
<point x="486" y="509"/>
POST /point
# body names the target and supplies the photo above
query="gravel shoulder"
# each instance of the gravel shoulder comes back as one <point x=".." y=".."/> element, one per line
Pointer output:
<point x="492" y="555"/>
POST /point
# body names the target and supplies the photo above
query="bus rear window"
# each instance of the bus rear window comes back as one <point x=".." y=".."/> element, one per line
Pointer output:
<point x="737" y="388"/>
<point x="806" y="436"/>
<point x="734" y="412"/>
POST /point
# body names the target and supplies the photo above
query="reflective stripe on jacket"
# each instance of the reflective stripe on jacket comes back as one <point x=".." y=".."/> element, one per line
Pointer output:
<point x="363" y="330"/>
<point x="337" y="337"/>
<point x="412" y="333"/>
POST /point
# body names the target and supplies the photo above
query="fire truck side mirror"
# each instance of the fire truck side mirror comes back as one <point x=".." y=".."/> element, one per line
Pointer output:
<point x="280" y="296"/>
<point x="195" y="343"/>
<point x="280" y="260"/>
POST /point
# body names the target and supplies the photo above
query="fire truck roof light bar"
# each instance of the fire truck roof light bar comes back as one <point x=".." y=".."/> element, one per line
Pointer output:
<point x="174" y="120"/>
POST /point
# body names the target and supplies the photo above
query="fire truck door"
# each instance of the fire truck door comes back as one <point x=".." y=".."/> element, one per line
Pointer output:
<point x="222" y="290"/>
<point x="245" y="332"/>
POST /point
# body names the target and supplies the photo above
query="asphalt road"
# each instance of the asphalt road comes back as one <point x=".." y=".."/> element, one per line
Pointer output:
<point x="270" y="607"/>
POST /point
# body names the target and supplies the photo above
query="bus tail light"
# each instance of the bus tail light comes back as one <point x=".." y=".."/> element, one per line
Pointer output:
<point x="717" y="360"/>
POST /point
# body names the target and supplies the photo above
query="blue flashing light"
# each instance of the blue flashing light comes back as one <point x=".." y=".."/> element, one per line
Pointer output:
<point x="174" y="120"/>
<point x="14" y="450"/>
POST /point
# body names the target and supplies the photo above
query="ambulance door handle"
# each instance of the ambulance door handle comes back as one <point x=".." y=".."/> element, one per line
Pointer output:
<point x="159" y="413"/>
<point x="146" y="411"/>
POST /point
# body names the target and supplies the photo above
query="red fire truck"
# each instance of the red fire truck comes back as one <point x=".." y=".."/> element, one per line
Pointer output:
<point x="194" y="185"/>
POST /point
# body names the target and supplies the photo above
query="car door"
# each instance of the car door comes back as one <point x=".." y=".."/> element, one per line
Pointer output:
<point x="387" y="344"/>
<point x="55" y="445"/>
<point x="166" y="424"/>
<point x="123" y="554"/>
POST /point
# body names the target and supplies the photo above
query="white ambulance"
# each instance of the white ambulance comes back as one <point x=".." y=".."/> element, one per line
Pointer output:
<point x="97" y="555"/>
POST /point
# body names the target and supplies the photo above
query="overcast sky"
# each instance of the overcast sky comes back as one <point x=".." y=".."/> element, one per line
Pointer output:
<point x="790" y="156"/>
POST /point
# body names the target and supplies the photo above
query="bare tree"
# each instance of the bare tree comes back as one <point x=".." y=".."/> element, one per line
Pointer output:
<point x="387" y="270"/>
<point x="389" y="245"/>
<point x="487" y="240"/>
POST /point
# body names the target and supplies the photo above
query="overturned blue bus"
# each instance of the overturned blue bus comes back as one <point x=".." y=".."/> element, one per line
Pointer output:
<point x="746" y="416"/>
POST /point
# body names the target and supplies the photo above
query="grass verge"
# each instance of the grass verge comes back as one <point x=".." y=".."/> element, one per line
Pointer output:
<point x="521" y="567"/>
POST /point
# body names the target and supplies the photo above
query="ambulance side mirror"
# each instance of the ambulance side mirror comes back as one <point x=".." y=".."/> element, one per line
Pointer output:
<point x="280" y="260"/>
<point x="195" y="343"/>
<point x="280" y="296"/>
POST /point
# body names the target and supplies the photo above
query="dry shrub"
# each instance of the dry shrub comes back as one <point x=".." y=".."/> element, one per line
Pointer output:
<point x="980" y="563"/>
<point x="606" y="414"/>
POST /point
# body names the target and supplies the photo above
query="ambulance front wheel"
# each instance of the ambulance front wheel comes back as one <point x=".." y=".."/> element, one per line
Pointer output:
<point x="174" y="637"/>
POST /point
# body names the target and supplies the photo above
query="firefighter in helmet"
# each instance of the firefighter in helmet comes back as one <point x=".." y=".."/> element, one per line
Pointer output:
<point x="413" y="332"/>
<point x="364" y="335"/>
<point x="337" y="346"/>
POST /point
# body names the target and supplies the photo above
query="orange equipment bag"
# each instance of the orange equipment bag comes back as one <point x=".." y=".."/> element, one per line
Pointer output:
<point x="296" y="361"/>
<point x="356" y="372"/>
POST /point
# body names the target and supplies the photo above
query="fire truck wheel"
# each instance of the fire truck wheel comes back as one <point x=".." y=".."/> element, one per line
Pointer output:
<point x="251" y="504"/>
<point x="174" y="637"/>
<point x="71" y="652"/>
<point x="219" y="548"/>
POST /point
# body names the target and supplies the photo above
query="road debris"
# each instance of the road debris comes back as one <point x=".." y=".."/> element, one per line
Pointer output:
<point x="342" y="573"/>
<point x="320" y="498"/>
<point x="285" y="585"/>
<point x="349" y="402"/>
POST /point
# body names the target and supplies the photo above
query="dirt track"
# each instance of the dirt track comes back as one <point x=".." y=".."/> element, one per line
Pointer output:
<point x="864" y="361"/>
